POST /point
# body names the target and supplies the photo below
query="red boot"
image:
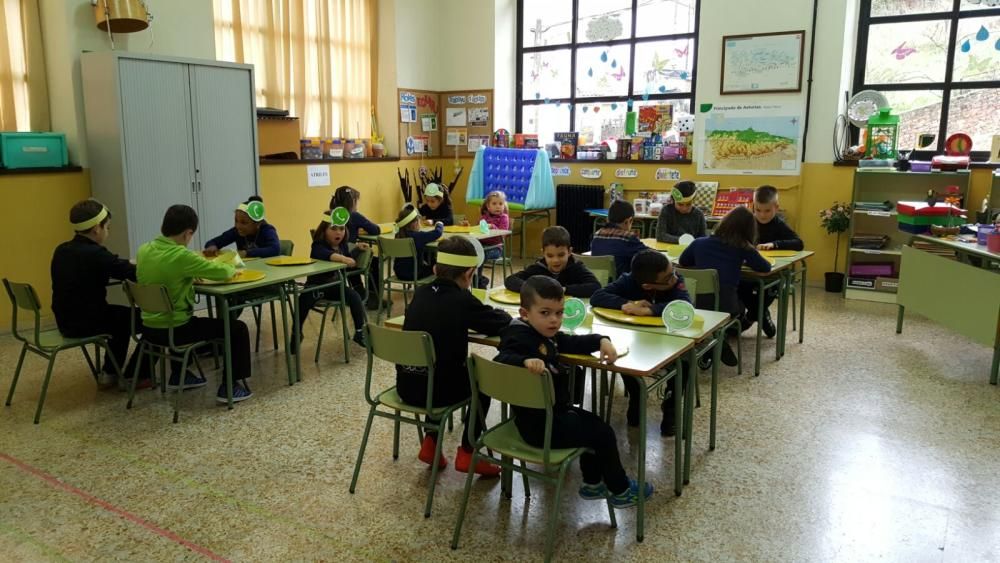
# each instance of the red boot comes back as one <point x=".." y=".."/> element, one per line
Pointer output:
<point x="426" y="454"/>
<point x="463" y="459"/>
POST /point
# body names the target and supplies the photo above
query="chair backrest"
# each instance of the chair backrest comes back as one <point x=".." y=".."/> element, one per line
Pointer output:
<point x="23" y="296"/>
<point x="511" y="384"/>
<point x="287" y="247"/>
<point x="402" y="347"/>
<point x="597" y="264"/>
<point x="149" y="298"/>
<point x="701" y="282"/>
<point x="363" y="261"/>
<point x="389" y="247"/>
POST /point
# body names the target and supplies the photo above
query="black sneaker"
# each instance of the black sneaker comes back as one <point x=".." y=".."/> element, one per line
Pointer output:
<point x="667" y="424"/>
<point x="705" y="362"/>
<point x="728" y="356"/>
<point x="768" y="325"/>
<point x="632" y="414"/>
<point x="359" y="338"/>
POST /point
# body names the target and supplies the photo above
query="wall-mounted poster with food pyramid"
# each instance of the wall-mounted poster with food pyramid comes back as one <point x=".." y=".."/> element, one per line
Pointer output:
<point x="523" y="175"/>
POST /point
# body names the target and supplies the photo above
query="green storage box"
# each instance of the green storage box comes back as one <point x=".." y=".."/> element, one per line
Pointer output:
<point x="33" y="150"/>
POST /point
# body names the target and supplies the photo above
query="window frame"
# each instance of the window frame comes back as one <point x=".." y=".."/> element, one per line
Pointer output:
<point x="953" y="16"/>
<point x="574" y="45"/>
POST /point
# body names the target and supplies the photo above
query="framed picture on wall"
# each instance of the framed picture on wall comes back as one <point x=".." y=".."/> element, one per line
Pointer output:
<point x="762" y="63"/>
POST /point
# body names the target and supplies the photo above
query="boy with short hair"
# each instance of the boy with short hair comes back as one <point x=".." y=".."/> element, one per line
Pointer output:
<point x="449" y="293"/>
<point x="166" y="260"/>
<point x="81" y="269"/>
<point x="557" y="262"/>
<point x="680" y="217"/>
<point x="772" y="234"/>
<point x="616" y="237"/>
<point x="645" y="292"/>
<point x="533" y="341"/>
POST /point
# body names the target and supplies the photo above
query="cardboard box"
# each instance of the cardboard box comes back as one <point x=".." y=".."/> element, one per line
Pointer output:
<point x="277" y="135"/>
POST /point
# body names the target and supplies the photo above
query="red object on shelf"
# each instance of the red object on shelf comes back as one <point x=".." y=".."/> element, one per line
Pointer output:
<point x="920" y="208"/>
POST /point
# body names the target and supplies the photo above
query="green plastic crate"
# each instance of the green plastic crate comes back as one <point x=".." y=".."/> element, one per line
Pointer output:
<point x="33" y="150"/>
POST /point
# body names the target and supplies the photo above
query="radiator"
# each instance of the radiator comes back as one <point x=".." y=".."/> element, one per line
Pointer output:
<point x="571" y="201"/>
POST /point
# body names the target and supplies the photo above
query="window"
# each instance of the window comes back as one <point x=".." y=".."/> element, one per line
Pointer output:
<point x="23" y="94"/>
<point x="581" y="62"/>
<point x="938" y="64"/>
<point x="314" y="59"/>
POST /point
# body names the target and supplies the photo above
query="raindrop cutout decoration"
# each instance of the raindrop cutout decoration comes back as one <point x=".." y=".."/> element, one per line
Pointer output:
<point x="966" y="46"/>
<point x="983" y="34"/>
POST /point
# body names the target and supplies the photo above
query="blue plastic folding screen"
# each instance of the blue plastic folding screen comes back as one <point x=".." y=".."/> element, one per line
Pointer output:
<point x="523" y="175"/>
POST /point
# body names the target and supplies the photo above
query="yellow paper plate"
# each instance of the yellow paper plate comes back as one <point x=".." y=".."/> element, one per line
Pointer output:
<point x="479" y="293"/>
<point x="674" y="249"/>
<point x="596" y="355"/>
<point x="461" y="228"/>
<point x="621" y="317"/>
<point x="289" y="261"/>
<point x="778" y="253"/>
<point x="242" y="276"/>
<point x="504" y="295"/>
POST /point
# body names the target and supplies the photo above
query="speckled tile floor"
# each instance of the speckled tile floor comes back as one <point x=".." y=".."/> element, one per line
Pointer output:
<point x="858" y="445"/>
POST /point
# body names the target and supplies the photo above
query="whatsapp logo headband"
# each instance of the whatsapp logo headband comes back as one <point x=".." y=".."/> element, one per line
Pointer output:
<point x="678" y="197"/>
<point x="463" y="260"/>
<point x="253" y="209"/>
<point x="338" y="217"/>
<point x="92" y="222"/>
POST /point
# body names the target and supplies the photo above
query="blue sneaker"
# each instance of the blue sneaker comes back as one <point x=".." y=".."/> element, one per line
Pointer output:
<point x="593" y="492"/>
<point x="191" y="381"/>
<point x="630" y="496"/>
<point x="240" y="393"/>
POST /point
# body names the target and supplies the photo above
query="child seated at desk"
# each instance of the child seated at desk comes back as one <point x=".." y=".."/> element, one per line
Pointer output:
<point x="616" y="237"/>
<point x="534" y="341"/>
<point x="437" y="205"/>
<point x="348" y="198"/>
<point x="167" y="261"/>
<point x="772" y="234"/>
<point x="254" y="237"/>
<point x="645" y="292"/>
<point x="557" y="262"/>
<point x="449" y="294"/>
<point x="680" y="217"/>
<point x="408" y="225"/>
<point x="330" y="245"/>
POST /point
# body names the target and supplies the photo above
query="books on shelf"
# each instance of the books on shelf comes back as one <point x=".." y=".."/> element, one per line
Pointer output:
<point x="869" y="241"/>
<point x="567" y="143"/>
<point x="935" y="249"/>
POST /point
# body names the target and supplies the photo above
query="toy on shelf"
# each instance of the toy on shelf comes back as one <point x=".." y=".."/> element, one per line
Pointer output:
<point x="956" y="153"/>
<point x="523" y="175"/>
<point x="918" y="217"/>
<point x="501" y="138"/>
<point x="882" y="135"/>
<point x="726" y="201"/>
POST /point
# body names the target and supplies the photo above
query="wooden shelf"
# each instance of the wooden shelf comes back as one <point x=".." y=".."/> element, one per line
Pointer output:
<point x="270" y="161"/>
<point x="889" y="252"/>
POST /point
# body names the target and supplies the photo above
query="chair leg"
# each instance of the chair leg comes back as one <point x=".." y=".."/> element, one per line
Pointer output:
<point x="434" y="469"/>
<point x="550" y="534"/>
<point x="322" y="330"/>
<point x="143" y="349"/>
<point x="395" y="437"/>
<point x="256" y="321"/>
<point x="361" y="451"/>
<point x="45" y="386"/>
<point x="90" y="363"/>
<point x="274" y="327"/>
<point x="794" y="322"/>
<point x="465" y="500"/>
<point x="180" y="384"/>
<point x="524" y="478"/>
<point x="17" y="373"/>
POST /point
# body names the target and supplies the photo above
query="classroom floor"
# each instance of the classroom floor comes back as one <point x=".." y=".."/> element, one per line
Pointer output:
<point x="858" y="445"/>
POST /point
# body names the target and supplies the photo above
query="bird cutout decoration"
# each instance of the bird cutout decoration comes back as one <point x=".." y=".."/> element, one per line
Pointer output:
<point x="534" y="76"/>
<point x="619" y="75"/>
<point x="682" y="52"/>
<point x="903" y="51"/>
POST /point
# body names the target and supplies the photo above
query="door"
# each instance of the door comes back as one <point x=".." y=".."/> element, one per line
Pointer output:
<point x="225" y="131"/>
<point x="159" y="154"/>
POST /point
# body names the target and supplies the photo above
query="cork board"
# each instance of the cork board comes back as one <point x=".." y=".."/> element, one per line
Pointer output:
<point x="468" y="110"/>
<point x="416" y="105"/>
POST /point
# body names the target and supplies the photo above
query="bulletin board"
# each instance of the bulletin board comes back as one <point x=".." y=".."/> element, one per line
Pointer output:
<point x="417" y="105"/>
<point x="470" y="111"/>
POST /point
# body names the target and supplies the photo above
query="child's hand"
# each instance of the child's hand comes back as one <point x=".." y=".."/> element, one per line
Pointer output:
<point x="439" y="225"/>
<point x="535" y="365"/>
<point x="362" y="246"/>
<point x="430" y="222"/>
<point x="766" y="246"/>
<point x="638" y="308"/>
<point x="243" y="254"/>
<point x="211" y="251"/>
<point x="465" y="222"/>
<point x="608" y="352"/>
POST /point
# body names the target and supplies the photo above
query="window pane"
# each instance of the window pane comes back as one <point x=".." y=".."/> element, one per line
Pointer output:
<point x="919" y="112"/>
<point x="598" y="122"/>
<point x="547" y="22"/>
<point x="977" y="52"/>
<point x="545" y="119"/>
<point x="663" y="67"/>
<point x="973" y="5"/>
<point x="546" y="75"/>
<point x="907" y="52"/>
<point x="604" y="20"/>
<point x="905" y="7"/>
<point x="602" y="71"/>
<point x="974" y="112"/>
<point x="665" y="17"/>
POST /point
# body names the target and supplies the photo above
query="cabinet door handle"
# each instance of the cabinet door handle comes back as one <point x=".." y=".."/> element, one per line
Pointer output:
<point x="194" y="188"/>
<point x="199" y="186"/>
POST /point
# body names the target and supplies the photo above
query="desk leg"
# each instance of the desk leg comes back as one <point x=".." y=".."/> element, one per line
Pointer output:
<point x="679" y="437"/>
<point x="899" y="320"/>
<point x="641" y="470"/>
<point x="779" y="344"/>
<point x="760" y="322"/>
<point x="227" y="338"/>
<point x="293" y="304"/>
<point x="995" y="370"/>
<point x="692" y="380"/>
<point x="716" y="358"/>
<point x="802" y="303"/>
<point x="343" y="317"/>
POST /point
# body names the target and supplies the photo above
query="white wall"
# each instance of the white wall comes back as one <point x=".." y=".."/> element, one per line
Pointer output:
<point x="467" y="44"/>
<point x="504" y="66"/>
<point x="419" y="39"/>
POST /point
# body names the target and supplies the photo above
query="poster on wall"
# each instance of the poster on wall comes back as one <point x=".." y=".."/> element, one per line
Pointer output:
<point x="760" y="137"/>
<point x="455" y="117"/>
<point x="457" y="137"/>
<point x="479" y="116"/>
<point x="763" y="62"/>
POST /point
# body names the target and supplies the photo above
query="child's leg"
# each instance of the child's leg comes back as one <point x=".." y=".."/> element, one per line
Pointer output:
<point x="356" y="305"/>
<point x="747" y="293"/>
<point x="202" y="328"/>
<point x="116" y="322"/>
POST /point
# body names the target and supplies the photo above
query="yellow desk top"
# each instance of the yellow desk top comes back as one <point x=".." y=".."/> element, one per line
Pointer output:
<point x="242" y="276"/>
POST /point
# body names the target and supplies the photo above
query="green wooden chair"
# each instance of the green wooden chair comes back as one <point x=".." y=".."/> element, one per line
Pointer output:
<point x="410" y="348"/>
<point x="517" y="386"/>
<point x="600" y="265"/>
<point x="323" y="306"/>
<point x="389" y="249"/>
<point x="155" y="299"/>
<point x="47" y="343"/>
<point x="287" y="247"/>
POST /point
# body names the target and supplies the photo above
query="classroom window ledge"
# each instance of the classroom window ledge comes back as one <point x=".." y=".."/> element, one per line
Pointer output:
<point x="973" y="165"/>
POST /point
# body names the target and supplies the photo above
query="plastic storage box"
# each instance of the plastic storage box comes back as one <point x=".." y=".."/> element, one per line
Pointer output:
<point x="33" y="150"/>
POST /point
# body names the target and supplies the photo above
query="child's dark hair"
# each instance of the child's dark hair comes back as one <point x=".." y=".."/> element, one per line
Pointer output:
<point x="178" y="219"/>
<point x="254" y="198"/>
<point x="319" y="233"/>
<point x="401" y="232"/>
<point x="555" y="236"/>
<point x="346" y="197"/>
<point x="620" y="211"/>
<point x="765" y="194"/>
<point x="686" y="188"/>
<point x="86" y="210"/>
<point x="454" y="245"/>
<point x="738" y="228"/>
<point x="540" y="287"/>
<point x="647" y="265"/>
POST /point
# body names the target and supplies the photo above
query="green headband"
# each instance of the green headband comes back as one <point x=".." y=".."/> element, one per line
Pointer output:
<point x="337" y="217"/>
<point x="462" y="260"/>
<point x="407" y="220"/>
<point x="253" y="209"/>
<point x="678" y="197"/>
<point x="92" y="222"/>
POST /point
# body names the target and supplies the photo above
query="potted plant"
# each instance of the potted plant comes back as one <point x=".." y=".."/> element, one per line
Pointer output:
<point x="836" y="219"/>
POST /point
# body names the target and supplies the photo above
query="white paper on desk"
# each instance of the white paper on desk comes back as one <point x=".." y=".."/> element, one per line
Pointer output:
<point x="319" y="175"/>
<point x="454" y="117"/>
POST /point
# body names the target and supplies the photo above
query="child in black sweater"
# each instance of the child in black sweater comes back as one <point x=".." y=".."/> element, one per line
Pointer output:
<point x="437" y="205"/>
<point x="534" y="342"/>
<point x="558" y="263"/>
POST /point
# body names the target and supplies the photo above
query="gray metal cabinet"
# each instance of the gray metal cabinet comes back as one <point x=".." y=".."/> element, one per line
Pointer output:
<point x="162" y="131"/>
